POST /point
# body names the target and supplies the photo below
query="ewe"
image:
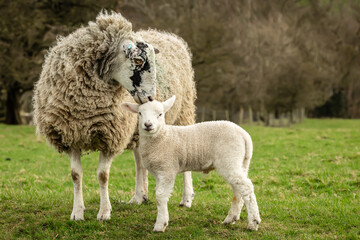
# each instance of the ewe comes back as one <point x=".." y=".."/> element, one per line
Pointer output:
<point x="168" y="150"/>
<point x="85" y="78"/>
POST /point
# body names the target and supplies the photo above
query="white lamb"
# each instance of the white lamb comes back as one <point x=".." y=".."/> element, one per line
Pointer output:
<point x="167" y="150"/>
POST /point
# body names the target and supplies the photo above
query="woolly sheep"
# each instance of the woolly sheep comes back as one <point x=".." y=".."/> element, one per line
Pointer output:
<point x="86" y="76"/>
<point x="167" y="150"/>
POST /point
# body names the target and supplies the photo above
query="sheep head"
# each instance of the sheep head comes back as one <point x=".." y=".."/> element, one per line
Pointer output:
<point x="151" y="114"/>
<point x="137" y="70"/>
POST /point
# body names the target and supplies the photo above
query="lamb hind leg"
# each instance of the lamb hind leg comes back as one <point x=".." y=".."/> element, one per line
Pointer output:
<point x="76" y="174"/>
<point x="103" y="172"/>
<point x="141" y="185"/>
<point x="188" y="192"/>
<point x="246" y="190"/>
<point x="243" y="188"/>
<point x="235" y="209"/>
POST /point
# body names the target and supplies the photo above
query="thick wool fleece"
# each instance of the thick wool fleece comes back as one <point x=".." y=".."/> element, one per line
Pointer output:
<point x="77" y="104"/>
<point x="175" y="75"/>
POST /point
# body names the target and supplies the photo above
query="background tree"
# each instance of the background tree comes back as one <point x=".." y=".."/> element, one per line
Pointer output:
<point x="28" y="28"/>
<point x="270" y="56"/>
<point x="273" y="55"/>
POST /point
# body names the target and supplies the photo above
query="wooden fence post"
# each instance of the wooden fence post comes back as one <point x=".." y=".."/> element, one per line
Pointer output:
<point x="250" y="115"/>
<point x="241" y="115"/>
<point x="302" y="114"/>
<point x="282" y="120"/>
<point x="263" y="113"/>
<point x="293" y="116"/>
<point x="203" y="114"/>
<point x="214" y="115"/>
<point x="270" y="119"/>
<point x="227" y="117"/>
<point x="256" y="116"/>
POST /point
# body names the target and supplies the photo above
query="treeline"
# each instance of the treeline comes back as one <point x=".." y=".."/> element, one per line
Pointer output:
<point x="269" y="56"/>
<point x="27" y="29"/>
<point x="272" y="56"/>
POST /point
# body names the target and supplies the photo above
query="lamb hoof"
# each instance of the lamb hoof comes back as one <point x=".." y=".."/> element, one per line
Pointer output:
<point x="254" y="225"/>
<point x="77" y="214"/>
<point x="138" y="199"/>
<point x="160" y="227"/>
<point x="186" y="201"/>
<point x="104" y="214"/>
<point x="230" y="219"/>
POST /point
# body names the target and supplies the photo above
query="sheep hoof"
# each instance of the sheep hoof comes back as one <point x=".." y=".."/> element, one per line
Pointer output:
<point x="139" y="199"/>
<point x="160" y="227"/>
<point x="230" y="219"/>
<point x="254" y="225"/>
<point x="77" y="214"/>
<point x="186" y="201"/>
<point x="104" y="214"/>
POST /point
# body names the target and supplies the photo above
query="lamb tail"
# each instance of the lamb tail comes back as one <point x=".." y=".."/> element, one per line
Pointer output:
<point x="248" y="151"/>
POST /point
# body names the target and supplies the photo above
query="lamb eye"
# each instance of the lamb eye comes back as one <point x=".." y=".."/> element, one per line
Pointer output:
<point x="140" y="113"/>
<point x="138" y="61"/>
<point x="160" y="114"/>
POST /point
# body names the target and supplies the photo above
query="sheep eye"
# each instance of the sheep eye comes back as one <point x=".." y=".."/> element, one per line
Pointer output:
<point x="160" y="114"/>
<point x="140" y="113"/>
<point x="138" y="61"/>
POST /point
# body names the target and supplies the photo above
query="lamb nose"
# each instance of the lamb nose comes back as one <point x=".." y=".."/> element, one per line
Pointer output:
<point x="148" y="125"/>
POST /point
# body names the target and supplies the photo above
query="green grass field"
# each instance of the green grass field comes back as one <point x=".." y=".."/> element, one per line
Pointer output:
<point x="306" y="177"/>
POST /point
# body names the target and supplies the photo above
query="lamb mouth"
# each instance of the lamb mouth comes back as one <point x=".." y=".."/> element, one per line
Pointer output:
<point x="148" y="129"/>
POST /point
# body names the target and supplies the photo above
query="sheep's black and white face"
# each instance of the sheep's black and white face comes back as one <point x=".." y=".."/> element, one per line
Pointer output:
<point x="137" y="70"/>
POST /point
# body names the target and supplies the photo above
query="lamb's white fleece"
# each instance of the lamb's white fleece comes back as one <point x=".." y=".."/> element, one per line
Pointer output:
<point x="167" y="150"/>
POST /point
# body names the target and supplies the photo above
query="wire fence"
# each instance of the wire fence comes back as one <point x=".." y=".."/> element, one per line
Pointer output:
<point x="248" y="116"/>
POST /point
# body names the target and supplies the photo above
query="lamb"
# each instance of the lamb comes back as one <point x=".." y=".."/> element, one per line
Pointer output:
<point x="84" y="79"/>
<point x="167" y="150"/>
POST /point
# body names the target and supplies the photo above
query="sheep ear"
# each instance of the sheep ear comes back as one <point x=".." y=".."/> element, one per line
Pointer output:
<point x="131" y="107"/>
<point x="169" y="103"/>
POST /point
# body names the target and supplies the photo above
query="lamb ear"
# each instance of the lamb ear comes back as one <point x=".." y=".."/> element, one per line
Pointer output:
<point x="169" y="103"/>
<point x="131" y="107"/>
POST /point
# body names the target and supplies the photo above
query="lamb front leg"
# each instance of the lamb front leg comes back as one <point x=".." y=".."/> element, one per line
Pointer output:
<point x="76" y="174"/>
<point x="141" y="185"/>
<point x="103" y="172"/>
<point x="164" y="185"/>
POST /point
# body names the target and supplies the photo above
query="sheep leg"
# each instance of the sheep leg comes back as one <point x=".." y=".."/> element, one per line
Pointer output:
<point x="103" y="171"/>
<point x="76" y="174"/>
<point x="244" y="186"/>
<point x="188" y="192"/>
<point x="141" y="185"/>
<point x="235" y="209"/>
<point x="164" y="185"/>
<point x="187" y="117"/>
